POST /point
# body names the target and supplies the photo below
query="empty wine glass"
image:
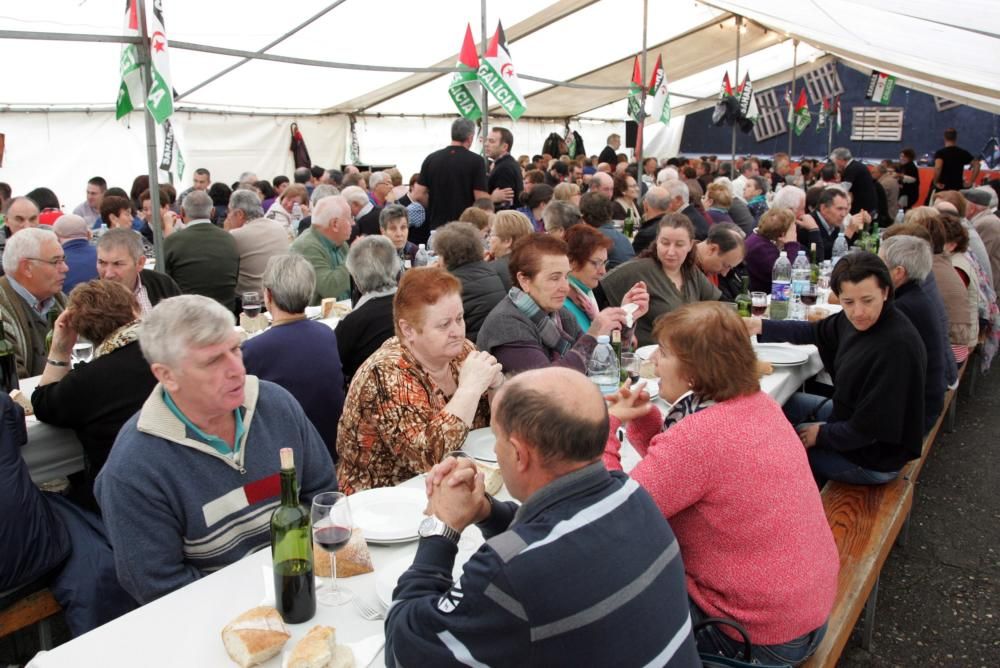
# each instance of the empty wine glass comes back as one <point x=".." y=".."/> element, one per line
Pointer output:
<point x="331" y="525"/>
<point x="83" y="351"/>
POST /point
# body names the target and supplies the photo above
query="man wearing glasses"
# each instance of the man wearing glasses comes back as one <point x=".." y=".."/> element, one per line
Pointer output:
<point x="35" y="268"/>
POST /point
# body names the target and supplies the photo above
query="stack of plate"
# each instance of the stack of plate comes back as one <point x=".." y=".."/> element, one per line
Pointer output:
<point x="777" y="354"/>
<point x="389" y="515"/>
<point x="479" y="445"/>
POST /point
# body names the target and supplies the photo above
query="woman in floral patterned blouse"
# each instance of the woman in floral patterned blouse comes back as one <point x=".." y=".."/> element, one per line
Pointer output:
<point x="416" y="398"/>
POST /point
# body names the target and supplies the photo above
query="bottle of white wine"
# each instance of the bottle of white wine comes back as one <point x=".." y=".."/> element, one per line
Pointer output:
<point x="291" y="550"/>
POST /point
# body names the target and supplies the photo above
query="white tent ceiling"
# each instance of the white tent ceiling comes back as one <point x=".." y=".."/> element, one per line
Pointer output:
<point x="588" y="42"/>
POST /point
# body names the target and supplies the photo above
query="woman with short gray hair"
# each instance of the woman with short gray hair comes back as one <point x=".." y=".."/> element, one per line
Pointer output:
<point x="299" y="354"/>
<point x="460" y="247"/>
<point x="375" y="267"/>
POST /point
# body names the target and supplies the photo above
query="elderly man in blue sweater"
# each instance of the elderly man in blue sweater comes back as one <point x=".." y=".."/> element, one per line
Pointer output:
<point x="193" y="477"/>
<point x="586" y="572"/>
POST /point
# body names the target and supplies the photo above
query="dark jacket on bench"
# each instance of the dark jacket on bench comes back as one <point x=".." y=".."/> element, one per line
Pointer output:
<point x="915" y="304"/>
<point x="878" y="385"/>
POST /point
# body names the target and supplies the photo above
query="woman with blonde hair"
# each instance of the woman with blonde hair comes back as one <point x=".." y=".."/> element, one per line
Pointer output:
<point x="508" y="227"/>
<point x="567" y="192"/>
<point x="776" y="233"/>
<point x="717" y="200"/>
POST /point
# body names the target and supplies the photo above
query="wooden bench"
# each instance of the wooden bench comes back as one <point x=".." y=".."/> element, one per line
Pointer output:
<point x="866" y="522"/>
<point x="35" y="608"/>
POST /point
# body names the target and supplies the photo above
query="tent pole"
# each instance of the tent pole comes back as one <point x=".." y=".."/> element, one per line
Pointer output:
<point x="642" y="98"/>
<point x="791" y="103"/>
<point x="154" y="186"/>
<point x="739" y="26"/>
<point x="486" y="103"/>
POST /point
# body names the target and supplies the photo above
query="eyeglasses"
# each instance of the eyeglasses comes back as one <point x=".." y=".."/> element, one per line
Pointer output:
<point x="55" y="262"/>
<point x="598" y="264"/>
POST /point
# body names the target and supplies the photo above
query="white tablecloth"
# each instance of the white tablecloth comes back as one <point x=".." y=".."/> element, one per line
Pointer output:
<point x="51" y="452"/>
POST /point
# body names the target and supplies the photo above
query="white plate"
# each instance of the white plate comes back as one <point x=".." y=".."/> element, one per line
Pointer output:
<point x="780" y="355"/>
<point x="388" y="514"/>
<point x="387" y="576"/>
<point x="479" y="445"/>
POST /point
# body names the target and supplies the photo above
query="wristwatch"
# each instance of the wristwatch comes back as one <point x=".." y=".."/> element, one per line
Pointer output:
<point x="432" y="526"/>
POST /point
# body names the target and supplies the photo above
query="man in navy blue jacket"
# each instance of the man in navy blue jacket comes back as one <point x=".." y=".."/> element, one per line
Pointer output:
<point x="585" y="572"/>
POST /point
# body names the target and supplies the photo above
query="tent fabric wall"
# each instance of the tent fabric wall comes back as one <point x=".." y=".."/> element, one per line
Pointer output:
<point x="61" y="150"/>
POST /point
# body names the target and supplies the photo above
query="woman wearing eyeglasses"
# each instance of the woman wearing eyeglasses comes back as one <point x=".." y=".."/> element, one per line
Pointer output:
<point x="588" y="262"/>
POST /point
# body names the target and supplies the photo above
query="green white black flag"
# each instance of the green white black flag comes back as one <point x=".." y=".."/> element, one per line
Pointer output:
<point x="496" y="73"/>
<point x="130" y="88"/>
<point x="160" y="100"/>
<point x="465" y="90"/>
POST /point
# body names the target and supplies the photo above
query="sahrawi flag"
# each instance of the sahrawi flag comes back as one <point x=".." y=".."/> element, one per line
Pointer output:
<point x="496" y="73"/>
<point x="160" y="100"/>
<point x="660" y="94"/>
<point x="465" y="90"/>
<point x="635" y="93"/>
<point x="824" y="115"/>
<point x="130" y="89"/>
<point x="748" y="99"/>
<point x="836" y="105"/>
<point x="803" y="117"/>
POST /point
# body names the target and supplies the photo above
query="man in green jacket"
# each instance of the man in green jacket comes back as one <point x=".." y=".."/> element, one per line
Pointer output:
<point x="324" y="244"/>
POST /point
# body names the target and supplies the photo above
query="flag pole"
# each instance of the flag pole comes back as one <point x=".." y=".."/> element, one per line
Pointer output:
<point x="485" y="127"/>
<point x="791" y="102"/>
<point x="829" y="130"/>
<point x="145" y="60"/>
<point x="739" y="25"/>
<point x="642" y="98"/>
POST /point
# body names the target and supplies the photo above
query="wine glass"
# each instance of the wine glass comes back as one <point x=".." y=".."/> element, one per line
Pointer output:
<point x="331" y="525"/>
<point x="630" y="367"/>
<point x="758" y="304"/>
<point x="251" y="304"/>
<point x="83" y="351"/>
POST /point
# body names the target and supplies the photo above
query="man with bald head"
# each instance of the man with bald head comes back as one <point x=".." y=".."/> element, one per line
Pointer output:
<point x="324" y="244"/>
<point x="584" y="572"/>
<point x="35" y="268"/>
<point x="73" y="232"/>
<point x="604" y="184"/>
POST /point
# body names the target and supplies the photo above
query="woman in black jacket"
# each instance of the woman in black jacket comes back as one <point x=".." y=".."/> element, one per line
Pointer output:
<point x="460" y="247"/>
<point x="94" y="398"/>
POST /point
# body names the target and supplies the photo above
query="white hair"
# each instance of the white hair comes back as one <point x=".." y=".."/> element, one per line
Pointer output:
<point x="177" y="324"/>
<point x="724" y="180"/>
<point x="667" y="174"/>
<point x="23" y="245"/>
<point x="329" y="208"/>
<point x="790" y="198"/>
<point x="321" y="191"/>
<point x="291" y="280"/>
<point x="355" y="195"/>
<point x="677" y="188"/>
<point x="377" y="178"/>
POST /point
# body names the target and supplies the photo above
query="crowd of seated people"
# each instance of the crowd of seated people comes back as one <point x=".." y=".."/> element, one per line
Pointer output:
<point x="177" y="415"/>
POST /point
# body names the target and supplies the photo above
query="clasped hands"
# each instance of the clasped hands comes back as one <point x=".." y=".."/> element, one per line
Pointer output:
<point x="456" y="493"/>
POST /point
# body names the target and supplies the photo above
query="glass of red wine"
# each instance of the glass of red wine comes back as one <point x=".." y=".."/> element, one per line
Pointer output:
<point x="251" y="304"/>
<point x="808" y="295"/>
<point x="331" y="526"/>
<point x="758" y="304"/>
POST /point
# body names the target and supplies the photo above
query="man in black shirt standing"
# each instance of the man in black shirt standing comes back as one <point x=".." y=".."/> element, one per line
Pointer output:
<point x="505" y="182"/>
<point x="950" y="162"/>
<point x="453" y="177"/>
<point x="609" y="153"/>
<point x="858" y="180"/>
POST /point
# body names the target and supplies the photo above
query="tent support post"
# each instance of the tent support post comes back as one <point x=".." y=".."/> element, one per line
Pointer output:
<point x="791" y="102"/>
<point x="739" y="27"/>
<point x="642" y="96"/>
<point x="154" y="174"/>
<point x="486" y="103"/>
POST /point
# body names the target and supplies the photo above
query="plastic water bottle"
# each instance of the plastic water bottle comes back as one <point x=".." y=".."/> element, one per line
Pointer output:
<point x="296" y="212"/>
<point x="421" y="258"/>
<point x="801" y="274"/>
<point x="603" y="366"/>
<point x="839" y="248"/>
<point x="781" y="287"/>
<point x="900" y="215"/>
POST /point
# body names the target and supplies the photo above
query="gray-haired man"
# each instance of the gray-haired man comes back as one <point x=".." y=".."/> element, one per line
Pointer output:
<point x="202" y="258"/>
<point x="258" y="239"/>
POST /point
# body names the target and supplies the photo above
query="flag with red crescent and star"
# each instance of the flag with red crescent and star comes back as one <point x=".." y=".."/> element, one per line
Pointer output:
<point x="160" y="100"/>
<point x="496" y="73"/>
<point x="635" y="93"/>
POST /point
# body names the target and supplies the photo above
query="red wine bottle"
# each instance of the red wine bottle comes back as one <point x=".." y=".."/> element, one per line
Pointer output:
<point x="8" y="365"/>
<point x="291" y="550"/>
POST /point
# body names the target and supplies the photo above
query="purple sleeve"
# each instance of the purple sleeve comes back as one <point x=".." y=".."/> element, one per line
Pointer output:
<point x="525" y="355"/>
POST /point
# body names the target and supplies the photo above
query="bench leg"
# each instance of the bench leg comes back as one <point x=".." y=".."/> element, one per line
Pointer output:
<point x="868" y="630"/>
<point x="973" y="372"/>
<point x="949" y="424"/>
<point x="44" y="634"/>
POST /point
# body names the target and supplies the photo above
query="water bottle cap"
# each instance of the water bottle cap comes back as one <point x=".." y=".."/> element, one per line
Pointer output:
<point x="421" y="247"/>
<point x="604" y="338"/>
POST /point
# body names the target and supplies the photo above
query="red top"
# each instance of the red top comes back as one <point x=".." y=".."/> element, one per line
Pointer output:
<point x="734" y="482"/>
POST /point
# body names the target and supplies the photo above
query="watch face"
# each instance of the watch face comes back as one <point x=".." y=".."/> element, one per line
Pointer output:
<point x="427" y="526"/>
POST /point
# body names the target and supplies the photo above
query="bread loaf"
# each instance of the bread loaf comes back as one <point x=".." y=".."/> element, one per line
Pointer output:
<point x="353" y="559"/>
<point x="255" y="636"/>
<point x="21" y="400"/>
<point x="319" y="649"/>
<point x="493" y="481"/>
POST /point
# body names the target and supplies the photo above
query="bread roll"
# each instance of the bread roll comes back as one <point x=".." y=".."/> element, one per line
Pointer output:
<point x="21" y="400"/>
<point x="255" y="636"/>
<point x="330" y="308"/>
<point x="494" y="481"/>
<point x="764" y="368"/>
<point x="353" y="559"/>
<point x="315" y="650"/>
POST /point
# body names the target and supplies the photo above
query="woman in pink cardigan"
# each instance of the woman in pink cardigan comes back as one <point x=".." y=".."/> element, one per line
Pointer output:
<point x="730" y="474"/>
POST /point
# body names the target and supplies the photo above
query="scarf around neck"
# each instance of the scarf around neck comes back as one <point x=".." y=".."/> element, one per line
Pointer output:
<point x="547" y="325"/>
<point x="119" y="338"/>
<point x="689" y="403"/>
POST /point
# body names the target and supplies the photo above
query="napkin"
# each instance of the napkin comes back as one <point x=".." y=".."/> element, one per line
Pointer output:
<point x="629" y="309"/>
<point x="365" y="651"/>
